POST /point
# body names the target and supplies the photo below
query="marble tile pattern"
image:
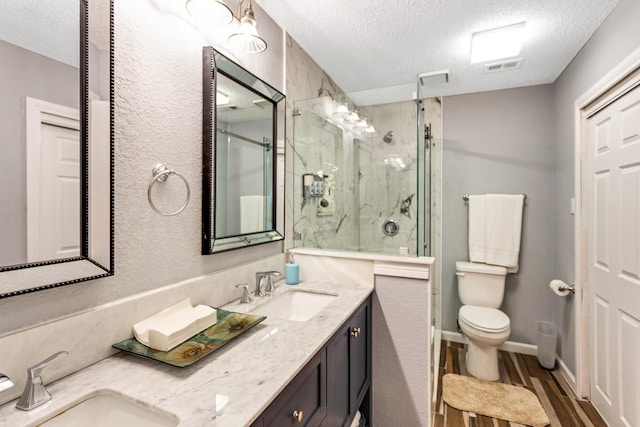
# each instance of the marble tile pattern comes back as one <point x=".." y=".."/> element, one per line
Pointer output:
<point x="229" y="388"/>
<point x="322" y="144"/>
<point x="88" y="335"/>
<point x="304" y="80"/>
<point x="388" y="178"/>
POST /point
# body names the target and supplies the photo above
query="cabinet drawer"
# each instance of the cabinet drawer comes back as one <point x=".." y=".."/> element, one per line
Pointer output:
<point x="304" y="401"/>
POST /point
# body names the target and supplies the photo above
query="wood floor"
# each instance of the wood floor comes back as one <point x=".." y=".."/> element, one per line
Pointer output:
<point x="557" y="398"/>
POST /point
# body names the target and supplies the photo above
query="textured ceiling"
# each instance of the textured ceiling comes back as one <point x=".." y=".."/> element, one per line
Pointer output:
<point x="374" y="49"/>
<point x="49" y="28"/>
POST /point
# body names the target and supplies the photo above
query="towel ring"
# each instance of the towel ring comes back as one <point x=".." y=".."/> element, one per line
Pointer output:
<point x="160" y="174"/>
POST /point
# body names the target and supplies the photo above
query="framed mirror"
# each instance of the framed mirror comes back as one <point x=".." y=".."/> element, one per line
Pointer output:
<point x="243" y="118"/>
<point x="56" y="161"/>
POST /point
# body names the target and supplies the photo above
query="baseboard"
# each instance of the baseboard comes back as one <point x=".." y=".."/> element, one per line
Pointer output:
<point x="515" y="347"/>
<point x="567" y="375"/>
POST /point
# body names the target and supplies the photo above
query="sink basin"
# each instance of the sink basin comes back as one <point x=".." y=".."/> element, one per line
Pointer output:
<point x="297" y="305"/>
<point x="107" y="408"/>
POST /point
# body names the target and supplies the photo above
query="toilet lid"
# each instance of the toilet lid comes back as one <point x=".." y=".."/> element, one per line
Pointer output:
<point x="484" y="318"/>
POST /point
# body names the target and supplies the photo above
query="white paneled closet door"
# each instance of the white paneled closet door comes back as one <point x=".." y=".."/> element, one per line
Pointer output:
<point x="613" y="218"/>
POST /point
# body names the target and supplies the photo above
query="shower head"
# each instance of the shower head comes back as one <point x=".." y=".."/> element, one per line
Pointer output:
<point x="388" y="138"/>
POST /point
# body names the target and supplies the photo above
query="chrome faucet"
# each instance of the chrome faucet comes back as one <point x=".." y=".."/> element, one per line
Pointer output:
<point x="245" y="298"/>
<point x="269" y="287"/>
<point x="34" y="393"/>
<point x="5" y="382"/>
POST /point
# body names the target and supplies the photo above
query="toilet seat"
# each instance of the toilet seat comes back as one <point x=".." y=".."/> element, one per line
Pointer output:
<point x="484" y="319"/>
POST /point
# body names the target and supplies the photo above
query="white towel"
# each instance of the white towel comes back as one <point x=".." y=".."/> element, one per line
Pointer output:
<point x="252" y="214"/>
<point x="504" y="227"/>
<point x="498" y="241"/>
<point x="477" y="227"/>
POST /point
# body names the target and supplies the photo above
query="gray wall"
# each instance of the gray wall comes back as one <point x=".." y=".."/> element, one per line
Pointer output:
<point x="501" y="142"/>
<point x="158" y="117"/>
<point x="548" y="235"/>
<point x="24" y="73"/>
<point x="616" y="38"/>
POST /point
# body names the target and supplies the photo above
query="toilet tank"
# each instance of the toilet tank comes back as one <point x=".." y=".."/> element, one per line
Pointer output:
<point x="480" y="284"/>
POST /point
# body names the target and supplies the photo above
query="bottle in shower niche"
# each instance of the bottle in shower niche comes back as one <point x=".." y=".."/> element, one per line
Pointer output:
<point x="291" y="272"/>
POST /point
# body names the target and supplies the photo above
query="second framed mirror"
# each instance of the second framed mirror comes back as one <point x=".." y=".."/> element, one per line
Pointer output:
<point x="243" y="117"/>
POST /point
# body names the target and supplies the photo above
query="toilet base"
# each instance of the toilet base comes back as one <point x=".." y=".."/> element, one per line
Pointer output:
<point x="482" y="361"/>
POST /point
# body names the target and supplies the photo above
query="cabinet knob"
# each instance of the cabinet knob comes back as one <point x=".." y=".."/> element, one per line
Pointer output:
<point x="297" y="416"/>
<point x="355" y="332"/>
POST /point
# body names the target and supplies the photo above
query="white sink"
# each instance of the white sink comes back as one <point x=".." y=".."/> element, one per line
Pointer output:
<point x="297" y="305"/>
<point x="108" y="408"/>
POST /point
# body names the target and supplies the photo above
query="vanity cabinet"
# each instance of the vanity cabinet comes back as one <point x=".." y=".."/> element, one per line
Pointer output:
<point x="333" y="385"/>
<point x="304" y="401"/>
<point x="349" y="369"/>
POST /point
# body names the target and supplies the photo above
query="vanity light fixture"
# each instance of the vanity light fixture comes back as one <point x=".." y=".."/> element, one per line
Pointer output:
<point x="497" y="43"/>
<point x="341" y="112"/>
<point x="351" y="119"/>
<point x="210" y="12"/>
<point x="247" y="38"/>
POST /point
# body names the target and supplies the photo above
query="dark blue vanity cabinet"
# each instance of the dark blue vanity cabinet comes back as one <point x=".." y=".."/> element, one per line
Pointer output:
<point x="349" y="369"/>
<point x="334" y="385"/>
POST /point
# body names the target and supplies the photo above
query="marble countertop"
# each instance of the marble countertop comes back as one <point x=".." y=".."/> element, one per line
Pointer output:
<point x="229" y="388"/>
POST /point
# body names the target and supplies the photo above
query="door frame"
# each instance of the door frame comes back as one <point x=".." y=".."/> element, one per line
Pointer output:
<point x="620" y="80"/>
<point x="38" y="112"/>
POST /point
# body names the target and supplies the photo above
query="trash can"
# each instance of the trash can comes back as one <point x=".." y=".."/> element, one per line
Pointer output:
<point x="547" y="339"/>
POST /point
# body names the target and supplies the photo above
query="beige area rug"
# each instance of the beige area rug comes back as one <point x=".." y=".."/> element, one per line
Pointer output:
<point x="494" y="400"/>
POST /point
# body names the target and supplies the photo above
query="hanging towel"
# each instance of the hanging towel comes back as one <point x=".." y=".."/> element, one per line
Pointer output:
<point x="503" y="229"/>
<point x="252" y="214"/>
<point x="477" y="227"/>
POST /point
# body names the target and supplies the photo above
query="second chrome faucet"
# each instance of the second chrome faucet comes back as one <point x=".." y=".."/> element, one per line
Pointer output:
<point x="264" y="283"/>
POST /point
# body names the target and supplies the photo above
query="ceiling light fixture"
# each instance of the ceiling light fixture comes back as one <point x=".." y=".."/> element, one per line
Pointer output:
<point x="497" y="43"/>
<point x="246" y="38"/>
<point x="210" y="12"/>
<point x="214" y="12"/>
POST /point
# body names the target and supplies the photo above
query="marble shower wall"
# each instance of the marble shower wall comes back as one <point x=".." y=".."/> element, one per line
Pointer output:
<point x="305" y="80"/>
<point x="373" y="180"/>
<point x="324" y="147"/>
<point x="388" y="179"/>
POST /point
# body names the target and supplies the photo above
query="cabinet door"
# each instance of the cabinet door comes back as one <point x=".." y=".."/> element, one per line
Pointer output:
<point x="338" y="390"/>
<point x="304" y="401"/>
<point x="360" y="355"/>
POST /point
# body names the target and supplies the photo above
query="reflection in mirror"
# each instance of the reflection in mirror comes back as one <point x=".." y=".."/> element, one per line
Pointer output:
<point x="56" y="161"/>
<point x="242" y="118"/>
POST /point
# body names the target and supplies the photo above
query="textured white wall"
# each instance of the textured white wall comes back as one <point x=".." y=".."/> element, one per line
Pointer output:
<point x="158" y="118"/>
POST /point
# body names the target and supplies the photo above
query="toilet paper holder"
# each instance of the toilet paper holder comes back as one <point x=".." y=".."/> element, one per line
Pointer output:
<point x="569" y="288"/>
<point x="561" y="288"/>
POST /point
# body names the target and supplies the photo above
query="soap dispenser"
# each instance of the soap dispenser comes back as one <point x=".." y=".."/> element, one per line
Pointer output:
<point x="291" y="272"/>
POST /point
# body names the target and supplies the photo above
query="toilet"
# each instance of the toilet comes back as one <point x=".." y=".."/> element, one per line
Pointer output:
<point x="481" y="290"/>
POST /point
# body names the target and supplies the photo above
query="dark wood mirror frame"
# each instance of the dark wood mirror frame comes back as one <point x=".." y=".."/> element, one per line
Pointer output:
<point x="96" y="254"/>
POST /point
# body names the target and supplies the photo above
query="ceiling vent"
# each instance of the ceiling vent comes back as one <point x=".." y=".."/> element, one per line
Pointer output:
<point x="502" y="66"/>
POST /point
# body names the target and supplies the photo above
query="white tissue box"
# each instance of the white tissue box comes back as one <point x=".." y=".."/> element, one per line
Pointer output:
<point x="174" y="325"/>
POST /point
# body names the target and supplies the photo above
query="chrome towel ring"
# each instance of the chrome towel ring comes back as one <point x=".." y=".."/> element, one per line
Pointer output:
<point x="160" y="174"/>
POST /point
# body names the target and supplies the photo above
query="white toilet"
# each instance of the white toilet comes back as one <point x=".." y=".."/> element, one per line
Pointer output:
<point x="481" y="289"/>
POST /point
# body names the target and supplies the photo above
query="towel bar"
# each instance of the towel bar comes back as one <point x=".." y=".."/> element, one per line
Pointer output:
<point x="465" y="197"/>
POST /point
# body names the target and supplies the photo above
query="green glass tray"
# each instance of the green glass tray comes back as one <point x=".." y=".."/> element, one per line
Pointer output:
<point x="230" y="325"/>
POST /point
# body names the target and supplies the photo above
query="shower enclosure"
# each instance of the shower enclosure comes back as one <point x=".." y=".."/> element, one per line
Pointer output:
<point x="369" y="187"/>
<point x="375" y="192"/>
